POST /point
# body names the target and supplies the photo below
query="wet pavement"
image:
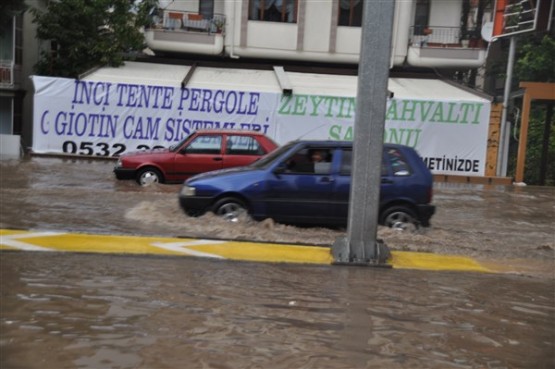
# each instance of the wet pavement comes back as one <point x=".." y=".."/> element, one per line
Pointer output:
<point x="106" y="311"/>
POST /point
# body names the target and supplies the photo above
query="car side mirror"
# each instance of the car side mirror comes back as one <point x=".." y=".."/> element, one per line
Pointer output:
<point x="280" y="169"/>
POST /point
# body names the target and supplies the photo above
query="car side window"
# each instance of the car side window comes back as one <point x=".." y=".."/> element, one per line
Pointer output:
<point x="310" y="161"/>
<point x="206" y="144"/>
<point x="347" y="161"/>
<point x="398" y="163"/>
<point x="243" y="145"/>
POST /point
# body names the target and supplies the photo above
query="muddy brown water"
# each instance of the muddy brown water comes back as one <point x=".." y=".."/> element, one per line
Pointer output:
<point x="63" y="310"/>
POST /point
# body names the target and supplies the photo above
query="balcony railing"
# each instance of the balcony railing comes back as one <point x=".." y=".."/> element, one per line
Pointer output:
<point x="432" y="36"/>
<point x="182" y="21"/>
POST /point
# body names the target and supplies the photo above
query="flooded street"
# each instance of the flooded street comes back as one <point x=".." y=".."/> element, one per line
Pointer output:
<point x="105" y="311"/>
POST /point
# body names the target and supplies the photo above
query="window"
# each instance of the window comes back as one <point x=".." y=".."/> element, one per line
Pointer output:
<point x="18" y="57"/>
<point x="206" y="8"/>
<point x="310" y="161"/>
<point x="346" y="160"/>
<point x="346" y="164"/>
<point x="273" y="10"/>
<point x="209" y="144"/>
<point x="243" y="145"/>
<point x="6" y="42"/>
<point x="421" y="16"/>
<point x="398" y="163"/>
<point x="350" y="13"/>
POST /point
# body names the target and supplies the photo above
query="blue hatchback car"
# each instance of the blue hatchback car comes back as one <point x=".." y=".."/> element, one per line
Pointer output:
<point x="308" y="182"/>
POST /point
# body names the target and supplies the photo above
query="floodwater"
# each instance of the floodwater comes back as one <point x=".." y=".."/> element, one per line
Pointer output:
<point x="63" y="310"/>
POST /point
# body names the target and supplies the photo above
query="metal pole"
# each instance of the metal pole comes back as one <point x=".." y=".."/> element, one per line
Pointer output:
<point x="360" y="246"/>
<point x="503" y="142"/>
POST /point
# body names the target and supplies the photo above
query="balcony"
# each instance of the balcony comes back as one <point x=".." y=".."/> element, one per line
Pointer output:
<point x="445" y="47"/>
<point x="186" y="32"/>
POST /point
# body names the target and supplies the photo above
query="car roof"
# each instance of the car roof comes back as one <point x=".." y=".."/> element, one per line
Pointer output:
<point x="332" y="143"/>
<point x="322" y="143"/>
<point x="230" y="131"/>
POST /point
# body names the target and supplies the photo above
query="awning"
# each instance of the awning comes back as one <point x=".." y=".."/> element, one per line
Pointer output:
<point x="267" y="81"/>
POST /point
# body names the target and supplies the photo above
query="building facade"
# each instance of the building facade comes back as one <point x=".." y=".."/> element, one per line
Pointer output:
<point x="19" y="52"/>
<point x="11" y="89"/>
<point x="426" y="34"/>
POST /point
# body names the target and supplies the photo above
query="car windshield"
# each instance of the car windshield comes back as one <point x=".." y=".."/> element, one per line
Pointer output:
<point x="179" y="144"/>
<point x="268" y="159"/>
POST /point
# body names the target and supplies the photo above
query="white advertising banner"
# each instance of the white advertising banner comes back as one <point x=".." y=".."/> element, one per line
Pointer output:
<point x="108" y="119"/>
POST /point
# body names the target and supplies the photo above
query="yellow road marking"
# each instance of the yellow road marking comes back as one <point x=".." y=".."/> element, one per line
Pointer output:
<point x="428" y="261"/>
<point x="232" y="250"/>
<point x="268" y="252"/>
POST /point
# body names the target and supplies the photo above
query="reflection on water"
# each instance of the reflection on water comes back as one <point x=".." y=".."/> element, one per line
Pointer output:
<point x="147" y="312"/>
<point x="97" y="311"/>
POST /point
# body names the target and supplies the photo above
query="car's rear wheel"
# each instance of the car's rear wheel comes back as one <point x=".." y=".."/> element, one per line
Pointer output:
<point x="400" y="217"/>
<point x="230" y="208"/>
<point x="148" y="176"/>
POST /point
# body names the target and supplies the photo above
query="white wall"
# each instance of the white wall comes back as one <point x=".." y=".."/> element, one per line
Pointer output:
<point x="348" y="40"/>
<point x="272" y="35"/>
<point x="404" y="19"/>
<point x="9" y="146"/>
<point x="190" y="5"/>
<point x="317" y="27"/>
<point x="279" y="40"/>
<point x="180" y="5"/>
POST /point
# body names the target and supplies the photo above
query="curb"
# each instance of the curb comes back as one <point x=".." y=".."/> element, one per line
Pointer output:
<point x="48" y="241"/>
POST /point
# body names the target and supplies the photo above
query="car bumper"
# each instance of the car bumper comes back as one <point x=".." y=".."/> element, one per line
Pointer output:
<point x="425" y="213"/>
<point x="124" y="173"/>
<point x="195" y="205"/>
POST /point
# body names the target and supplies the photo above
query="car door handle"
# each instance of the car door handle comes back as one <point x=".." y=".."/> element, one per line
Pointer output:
<point x="327" y="180"/>
<point x="387" y="180"/>
<point x="219" y="158"/>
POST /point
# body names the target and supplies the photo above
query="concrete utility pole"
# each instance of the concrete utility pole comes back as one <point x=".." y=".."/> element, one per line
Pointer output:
<point x="361" y="246"/>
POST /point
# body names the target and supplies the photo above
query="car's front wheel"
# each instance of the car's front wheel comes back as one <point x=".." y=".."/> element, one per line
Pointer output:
<point x="230" y="208"/>
<point x="148" y="176"/>
<point x="399" y="217"/>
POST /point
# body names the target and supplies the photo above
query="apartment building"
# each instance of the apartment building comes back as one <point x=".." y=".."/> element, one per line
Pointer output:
<point x="426" y="34"/>
<point x="11" y="89"/>
<point x="19" y="52"/>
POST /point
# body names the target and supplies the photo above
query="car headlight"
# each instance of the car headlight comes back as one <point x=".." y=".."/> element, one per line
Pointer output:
<point x="119" y="163"/>
<point x="188" y="191"/>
